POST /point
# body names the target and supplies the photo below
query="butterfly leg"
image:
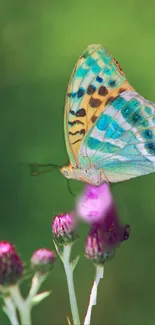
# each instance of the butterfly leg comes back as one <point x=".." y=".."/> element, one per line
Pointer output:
<point x="102" y="176"/>
<point x="85" y="180"/>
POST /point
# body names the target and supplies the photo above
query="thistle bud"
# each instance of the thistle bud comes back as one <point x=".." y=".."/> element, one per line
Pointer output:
<point x="63" y="228"/>
<point x="11" y="266"/>
<point x="95" y="246"/>
<point x="42" y="260"/>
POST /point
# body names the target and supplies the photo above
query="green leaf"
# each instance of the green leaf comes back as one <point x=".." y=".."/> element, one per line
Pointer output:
<point x="74" y="262"/>
<point x="41" y="296"/>
<point x="59" y="249"/>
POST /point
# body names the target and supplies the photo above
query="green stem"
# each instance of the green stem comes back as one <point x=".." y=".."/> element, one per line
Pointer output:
<point x="37" y="281"/>
<point x="93" y="295"/>
<point x="10" y="310"/>
<point x="25" y="315"/>
<point x="23" y="306"/>
<point x="65" y="257"/>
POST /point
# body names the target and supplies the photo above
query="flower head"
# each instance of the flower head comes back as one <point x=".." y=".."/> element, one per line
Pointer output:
<point x="42" y="260"/>
<point x="11" y="266"/>
<point x="113" y="230"/>
<point x="63" y="228"/>
<point x="96" y="248"/>
<point x="93" y="204"/>
<point x="97" y="207"/>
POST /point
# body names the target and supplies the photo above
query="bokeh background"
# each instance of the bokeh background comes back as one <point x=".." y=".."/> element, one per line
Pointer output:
<point x="39" y="44"/>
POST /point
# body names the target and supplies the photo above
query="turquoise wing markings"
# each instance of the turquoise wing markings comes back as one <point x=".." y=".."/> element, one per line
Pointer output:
<point x="122" y="140"/>
<point x="95" y="77"/>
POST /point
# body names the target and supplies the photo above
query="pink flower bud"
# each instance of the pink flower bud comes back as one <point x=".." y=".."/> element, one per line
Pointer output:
<point x="63" y="228"/>
<point x="42" y="260"/>
<point x="95" y="246"/>
<point x="11" y="266"/>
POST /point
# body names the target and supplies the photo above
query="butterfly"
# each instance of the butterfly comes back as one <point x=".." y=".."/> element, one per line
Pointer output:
<point x="109" y="128"/>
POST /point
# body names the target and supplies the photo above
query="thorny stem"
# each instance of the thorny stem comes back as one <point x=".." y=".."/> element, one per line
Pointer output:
<point x="93" y="295"/>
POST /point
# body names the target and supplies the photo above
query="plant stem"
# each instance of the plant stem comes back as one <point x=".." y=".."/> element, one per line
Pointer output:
<point x="22" y="305"/>
<point x="65" y="257"/>
<point x="37" y="281"/>
<point x="25" y="314"/>
<point x="10" y="310"/>
<point x="93" y="295"/>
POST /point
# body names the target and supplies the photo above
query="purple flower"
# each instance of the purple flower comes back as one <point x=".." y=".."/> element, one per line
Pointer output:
<point x="95" y="246"/>
<point x="97" y="207"/>
<point x="94" y="203"/>
<point x="63" y="228"/>
<point x="113" y="231"/>
<point x="11" y="266"/>
<point x="42" y="260"/>
<point x="104" y="238"/>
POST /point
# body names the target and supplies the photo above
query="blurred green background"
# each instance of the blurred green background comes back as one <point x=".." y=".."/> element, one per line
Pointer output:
<point x="40" y="42"/>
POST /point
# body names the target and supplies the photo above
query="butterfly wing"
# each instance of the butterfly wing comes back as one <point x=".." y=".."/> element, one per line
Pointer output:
<point x="96" y="80"/>
<point x="122" y="141"/>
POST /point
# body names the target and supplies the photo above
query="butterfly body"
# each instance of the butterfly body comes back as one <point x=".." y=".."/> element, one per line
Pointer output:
<point x="88" y="175"/>
<point x="109" y="127"/>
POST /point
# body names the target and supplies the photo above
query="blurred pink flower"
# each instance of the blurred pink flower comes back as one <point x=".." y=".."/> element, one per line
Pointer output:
<point x="113" y="230"/>
<point x="93" y="204"/>
<point x="96" y="206"/>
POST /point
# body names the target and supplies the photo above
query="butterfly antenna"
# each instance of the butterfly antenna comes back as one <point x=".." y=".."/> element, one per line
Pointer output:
<point x="38" y="169"/>
<point x="69" y="187"/>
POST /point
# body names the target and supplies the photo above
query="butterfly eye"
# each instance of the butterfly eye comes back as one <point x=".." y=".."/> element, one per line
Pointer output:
<point x="66" y="172"/>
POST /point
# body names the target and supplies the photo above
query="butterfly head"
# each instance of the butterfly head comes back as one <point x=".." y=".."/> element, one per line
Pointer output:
<point x="67" y="171"/>
<point x="72" y="172"/>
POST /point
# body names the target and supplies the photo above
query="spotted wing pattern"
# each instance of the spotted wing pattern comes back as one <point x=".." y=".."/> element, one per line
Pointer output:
<point x="95" y="81"/>
<point x="121" y="143"/>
